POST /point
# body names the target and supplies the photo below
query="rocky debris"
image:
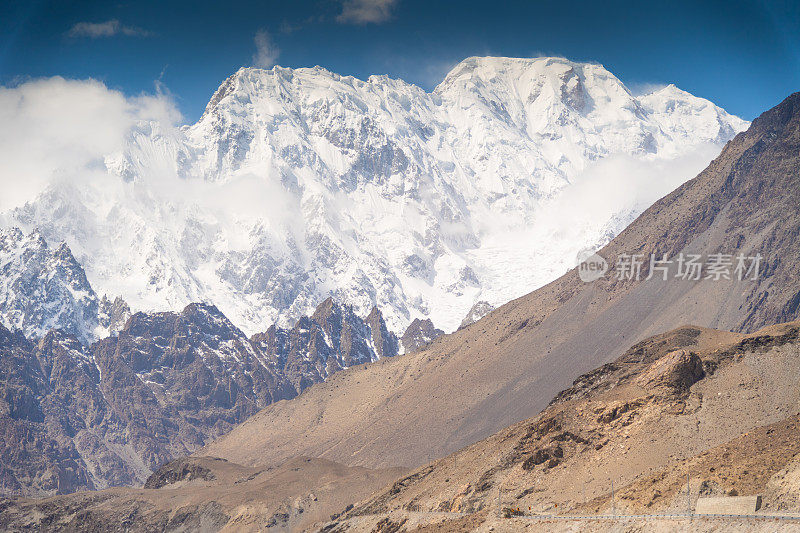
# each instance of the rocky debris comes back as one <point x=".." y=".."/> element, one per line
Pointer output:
<point x="420" y="333"/>
<point x="478" y="311"/>
<point x="551" y="455"/>
<point x="637" y="417"/>
<point x="679" y="369"/>
<point x="179" y="470"/>
<point x="789" y="334"/>
<point x="387" y="525"/>
<point x="205" y="494"/>
<point x="102" y="513"/>
<point x="615" y="411"/>
<point x="76" y="417"/>
<point x="649" y="351"/>
<point x="782" y="491"/>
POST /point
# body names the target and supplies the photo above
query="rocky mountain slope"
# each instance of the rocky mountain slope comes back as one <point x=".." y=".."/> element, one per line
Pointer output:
<point x="478" y="311"/>
<point x="187" y="495"/>
<point x="506" y="367"/>
<point x="77" y="418"/>
<point x="717" y="406"/>
<point x="44" y="288"/>
<point x="296" y="185"/>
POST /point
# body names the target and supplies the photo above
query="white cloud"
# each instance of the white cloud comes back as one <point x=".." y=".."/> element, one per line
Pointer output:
<point x="366" y="11"/>
<point x="66" y="135"/>
<point x="56" y="129"/>
<point x="101" y="171"/>
<point x="109" y="28"/>
<point x="267" y="53"/>
<point x="624" y="180"/>
<point x="594" y="207"/>
<point x="610" y="192"/>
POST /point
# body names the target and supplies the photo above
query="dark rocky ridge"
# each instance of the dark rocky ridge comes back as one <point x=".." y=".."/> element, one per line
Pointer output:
<point x="419" y="334"/>
<point x="114" y="314"/>
<point x="75" y="418"/>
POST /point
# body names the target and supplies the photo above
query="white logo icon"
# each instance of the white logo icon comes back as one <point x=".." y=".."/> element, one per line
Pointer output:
<point x="591" y="266"/>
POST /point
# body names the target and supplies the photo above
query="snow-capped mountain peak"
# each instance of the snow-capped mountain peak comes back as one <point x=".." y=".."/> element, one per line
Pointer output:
<point x="301" y="184"/>
<point x="43" y="288"/>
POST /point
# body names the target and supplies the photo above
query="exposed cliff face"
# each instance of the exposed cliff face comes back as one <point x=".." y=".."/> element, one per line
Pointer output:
<point x="50" y="396"/>
<point x="113" y="315"/>
<point x="419" y="334"/>
<point x="385" y="342"/>
<point x="332" y="339"/>
<point x="77" y="418"/>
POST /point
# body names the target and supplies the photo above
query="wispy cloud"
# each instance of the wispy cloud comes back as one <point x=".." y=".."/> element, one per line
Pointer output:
<point x="109" y="28"/>
<point x="366" y="11"/>
<point x="56" y="129"/>
<point x="267" y="53"/>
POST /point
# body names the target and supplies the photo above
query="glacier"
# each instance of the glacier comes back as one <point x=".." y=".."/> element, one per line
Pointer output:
<point x="297" y="185"/>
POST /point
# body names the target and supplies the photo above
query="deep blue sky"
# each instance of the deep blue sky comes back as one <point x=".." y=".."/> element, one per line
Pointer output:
<point x="743" y="55"/>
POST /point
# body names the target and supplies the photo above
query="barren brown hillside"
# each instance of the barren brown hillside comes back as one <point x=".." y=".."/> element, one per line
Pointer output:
<point x="205" y="494"/>
<point x="716" y="408"/>
<point x="507" y="366"/>
<point x="720" y="407"/>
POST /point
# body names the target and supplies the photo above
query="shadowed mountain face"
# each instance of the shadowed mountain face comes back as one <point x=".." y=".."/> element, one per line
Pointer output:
<point x="506" y="367"/>
<point x="77" y="418"/>
<point x="332" y="339"/>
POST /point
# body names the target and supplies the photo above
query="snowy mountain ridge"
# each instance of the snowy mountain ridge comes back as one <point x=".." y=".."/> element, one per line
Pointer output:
<point x="300" y="184"/>
<point x="43" y="288"/>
